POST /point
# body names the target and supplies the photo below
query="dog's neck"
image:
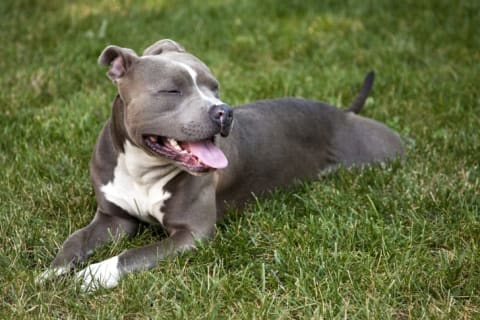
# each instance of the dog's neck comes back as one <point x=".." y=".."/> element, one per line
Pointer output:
<point x="140" y="165"/>
<point x="117" y="125"/>
<point x="139" y="183"/>
<point x="144" y="168"/>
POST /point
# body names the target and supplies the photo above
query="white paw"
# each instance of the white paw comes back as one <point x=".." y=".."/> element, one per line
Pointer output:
<point x="50" y="274"/>
<point x="103" y="274"/>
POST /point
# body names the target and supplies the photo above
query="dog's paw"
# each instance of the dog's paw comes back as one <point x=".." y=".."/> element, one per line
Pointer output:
<point x="104" y="274"/>
<point x="50" y="274"/>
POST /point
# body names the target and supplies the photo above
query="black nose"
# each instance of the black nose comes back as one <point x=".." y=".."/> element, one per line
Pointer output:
<point x="222" y="115"/>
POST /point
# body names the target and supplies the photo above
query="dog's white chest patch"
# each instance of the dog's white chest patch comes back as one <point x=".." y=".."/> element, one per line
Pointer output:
<point x="138" y="184"/>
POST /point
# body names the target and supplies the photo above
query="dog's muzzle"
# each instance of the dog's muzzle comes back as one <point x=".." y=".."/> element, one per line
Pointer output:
<point x="222" y="115"/>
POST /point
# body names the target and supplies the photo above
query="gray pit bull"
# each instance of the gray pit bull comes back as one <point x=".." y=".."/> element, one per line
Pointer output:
<point x="176" y="155"/>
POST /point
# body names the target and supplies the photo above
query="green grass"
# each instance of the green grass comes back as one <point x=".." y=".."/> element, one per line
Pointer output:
<point x="397" y="242"/>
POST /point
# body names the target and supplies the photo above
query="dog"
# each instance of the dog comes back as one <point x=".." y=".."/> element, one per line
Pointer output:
<point x="174" y="154"/>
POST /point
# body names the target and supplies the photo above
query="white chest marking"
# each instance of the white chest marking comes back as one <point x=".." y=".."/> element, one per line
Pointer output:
<point x="138" y="184"/>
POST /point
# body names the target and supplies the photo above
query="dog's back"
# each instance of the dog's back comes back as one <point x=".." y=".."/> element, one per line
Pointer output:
<point x="293" y="139"/>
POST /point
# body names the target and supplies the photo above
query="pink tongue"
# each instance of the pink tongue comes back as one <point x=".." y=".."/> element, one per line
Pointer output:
<point x="208" y="153"/>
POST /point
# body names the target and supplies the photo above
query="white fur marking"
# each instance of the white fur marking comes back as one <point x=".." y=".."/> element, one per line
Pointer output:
<point x="103" y="274"/>
<point x="138" y="184"/>
<point x="193" y="74"/>
<point x="50" y="274"/>
<point x="207" y="96"/>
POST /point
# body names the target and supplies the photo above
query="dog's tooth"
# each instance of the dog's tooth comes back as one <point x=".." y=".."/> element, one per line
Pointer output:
<point x="152" y="139"/>
<point x="174" y="144"/>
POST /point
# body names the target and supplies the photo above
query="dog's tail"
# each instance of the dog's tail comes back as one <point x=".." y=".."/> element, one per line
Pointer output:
<point x="362" y="96"/>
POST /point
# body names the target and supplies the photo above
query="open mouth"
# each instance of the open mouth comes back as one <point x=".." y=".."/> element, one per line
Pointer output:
<point x="195" y="156"/>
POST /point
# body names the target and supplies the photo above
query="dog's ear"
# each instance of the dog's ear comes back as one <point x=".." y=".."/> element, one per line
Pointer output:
<point x="162" y="46"/>
<point x="119" y="59"/>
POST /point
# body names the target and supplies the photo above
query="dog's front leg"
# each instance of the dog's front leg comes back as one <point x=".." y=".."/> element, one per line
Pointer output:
<point x="83" y="242"/>
<point x="190" y="216"/>
<point x="107" y="273"/>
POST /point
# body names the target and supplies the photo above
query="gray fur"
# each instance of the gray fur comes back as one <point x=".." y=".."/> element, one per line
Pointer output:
<point x="272" y="143"/>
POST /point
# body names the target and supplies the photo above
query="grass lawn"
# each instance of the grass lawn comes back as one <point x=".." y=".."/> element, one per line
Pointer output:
<point x="394" y="242"/>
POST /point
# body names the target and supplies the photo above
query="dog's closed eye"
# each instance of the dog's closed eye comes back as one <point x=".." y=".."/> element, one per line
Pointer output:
<point x="170" y="92"/>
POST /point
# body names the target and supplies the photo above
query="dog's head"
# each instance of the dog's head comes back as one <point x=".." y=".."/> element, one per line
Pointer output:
<point x="171" y="104"/>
